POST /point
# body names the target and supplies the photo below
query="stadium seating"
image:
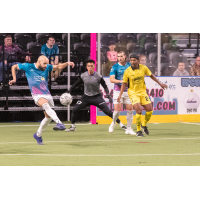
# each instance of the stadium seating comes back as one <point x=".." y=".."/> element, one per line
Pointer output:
<point x="121" y="47"/>
<point x="126" y="38"/>
<point x="81" y="48"/>
<point x="42" y="37"/>
<point x="73" y="39"/>
<point x="137" y="49"/>
<point x="34" y="48"/>
<point x="176" y="57"/>
<point x="104" y="48"/>
<point x="58" y="37"/>
<point x="85" y="38"/>
<point x="23" y="39"/>
<point x="150" y="47"/>
<point x="167" y="70"/>
<point x="2" y="36"/>
<point x="153" y="58"/>
<point x="107" y="38"/>
<point x="62" y="47"/>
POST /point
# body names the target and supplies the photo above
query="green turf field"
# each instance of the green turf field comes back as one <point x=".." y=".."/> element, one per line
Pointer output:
<point x="174" y="144"/>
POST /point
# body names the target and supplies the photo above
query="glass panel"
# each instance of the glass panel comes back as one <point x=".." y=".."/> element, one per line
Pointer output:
<point x="141" y="44"/>
<point x="180" y="50"/>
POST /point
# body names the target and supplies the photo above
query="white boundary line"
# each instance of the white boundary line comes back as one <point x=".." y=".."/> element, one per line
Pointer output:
<point x="190" y="123"/>
<point x="38" y="125"/>
<point x="125" y="155"/>
<point x="136" y="139"/>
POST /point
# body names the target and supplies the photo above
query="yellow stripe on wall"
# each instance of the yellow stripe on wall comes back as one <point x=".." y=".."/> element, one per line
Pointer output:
<point x="154" y="119"/>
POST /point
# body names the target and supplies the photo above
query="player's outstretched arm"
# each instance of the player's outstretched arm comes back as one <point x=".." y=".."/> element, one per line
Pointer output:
<point x="121" y="91"/>
<point x="78" y="82"/>
<point x="62" y="66"/>
<point x="113" y="80"/>
<point x="163" y="86"/>
<point x="14" y="68"/>
<point x="103" y="83"/>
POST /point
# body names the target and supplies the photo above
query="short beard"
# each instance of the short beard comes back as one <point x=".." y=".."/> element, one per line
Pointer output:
<point x="40" y="68"/>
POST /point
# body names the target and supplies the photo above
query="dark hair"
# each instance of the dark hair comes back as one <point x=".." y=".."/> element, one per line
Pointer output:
<point x="90" y="61"/>
<point x="134" y="56"/>
<point x="51" y="36"/>
<point x="8" y="36"/>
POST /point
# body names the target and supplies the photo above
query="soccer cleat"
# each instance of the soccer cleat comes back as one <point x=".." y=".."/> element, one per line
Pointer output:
<point x="71" y="129"/>
<point x="124" y="128"/>
<point x="111" y="128"/>
<point x="144" y="129"/>
<point x="59" y="127"/>
<point x="130" y="132"/>
<point x="38" y="139"/>
<point x="139" y="134"/>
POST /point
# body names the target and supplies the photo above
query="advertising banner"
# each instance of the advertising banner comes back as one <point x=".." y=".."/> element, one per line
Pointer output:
<point x="181" y="97"/>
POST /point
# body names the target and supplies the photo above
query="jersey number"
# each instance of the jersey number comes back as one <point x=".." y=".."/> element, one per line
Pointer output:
<point x="147" y="98"/>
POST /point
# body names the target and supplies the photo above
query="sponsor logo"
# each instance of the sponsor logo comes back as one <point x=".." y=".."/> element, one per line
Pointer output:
<point x="102" y="103"/>
<point x="43" y="78"/>
<point x="191" y="101"/>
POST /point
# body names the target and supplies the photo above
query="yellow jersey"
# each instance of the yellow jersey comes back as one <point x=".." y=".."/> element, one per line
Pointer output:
<point x="135" y="78"/>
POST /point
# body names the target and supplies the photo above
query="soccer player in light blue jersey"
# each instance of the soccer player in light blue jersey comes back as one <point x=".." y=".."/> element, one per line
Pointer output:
<point x="37" y="76"/>
<point x="116" y="77"/>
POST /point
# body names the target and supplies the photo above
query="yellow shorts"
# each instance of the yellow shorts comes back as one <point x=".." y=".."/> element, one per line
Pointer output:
<point x="142" y="99"/>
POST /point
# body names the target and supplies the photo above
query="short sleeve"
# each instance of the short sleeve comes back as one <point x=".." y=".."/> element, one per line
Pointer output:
<point x="57" y="50"/>
<point x="125" y="77"/>
<point x="147" y="71"/>
<point x="50" y="68"/>
<point x="23" y="66"/>
<point x="43" y="50"/>
<point x="113" y="71"/>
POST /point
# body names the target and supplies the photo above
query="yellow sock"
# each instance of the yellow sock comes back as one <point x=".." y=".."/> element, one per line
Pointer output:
<point x="147" y="118"/>
<point x="138" y="121"/>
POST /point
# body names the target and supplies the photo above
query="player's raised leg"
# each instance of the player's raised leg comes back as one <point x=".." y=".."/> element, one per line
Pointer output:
<point x="149" y="112"/>
<point x="51" y="113"/>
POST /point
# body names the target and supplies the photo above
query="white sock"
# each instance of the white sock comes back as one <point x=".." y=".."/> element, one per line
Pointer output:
<point x="44" y="123"/>
<point x="129" y="118"/>
<point x="121" y="124"/>
<point x="115" y="116"/>
<point x="51" y="113"/>
<point x="73" y="125"/>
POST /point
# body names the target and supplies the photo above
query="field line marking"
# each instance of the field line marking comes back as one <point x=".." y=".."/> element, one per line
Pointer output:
<point x="77" y="141"/>
<point x="190" y="123"/>
<point x="38" y="125"/>
<point x="100" y="155"/>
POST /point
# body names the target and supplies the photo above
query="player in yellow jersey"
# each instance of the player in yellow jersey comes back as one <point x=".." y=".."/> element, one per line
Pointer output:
<point x="134" y="76"/>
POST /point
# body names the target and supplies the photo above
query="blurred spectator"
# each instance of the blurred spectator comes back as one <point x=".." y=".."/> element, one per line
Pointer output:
<point x="142" y="59"/>
<point x="195" y="69"/>
<point x="49" y="49"/>
<point x="181" y="70"/>
<point x="112" y="54"/>
<point x="10" y="49"/>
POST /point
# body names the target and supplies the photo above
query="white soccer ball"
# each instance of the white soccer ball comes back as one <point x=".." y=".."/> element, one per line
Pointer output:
<point x="66" y="99"/>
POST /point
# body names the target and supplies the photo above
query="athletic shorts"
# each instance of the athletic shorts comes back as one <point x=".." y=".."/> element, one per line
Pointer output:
<point x="142" y="99"/>
<point x="49" y="98"/>
<point x="124" y="98"/>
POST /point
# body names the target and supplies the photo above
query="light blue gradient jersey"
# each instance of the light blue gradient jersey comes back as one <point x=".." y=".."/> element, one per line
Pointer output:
<point x="37" y="79"/>
<point x="118" y="71"/>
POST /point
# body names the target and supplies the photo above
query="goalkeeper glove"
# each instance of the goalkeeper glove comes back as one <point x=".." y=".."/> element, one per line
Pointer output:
<point x="109" y="97"/>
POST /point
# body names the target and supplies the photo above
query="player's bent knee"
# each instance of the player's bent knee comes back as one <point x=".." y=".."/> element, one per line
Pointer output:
<point x="139" y="112"/>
